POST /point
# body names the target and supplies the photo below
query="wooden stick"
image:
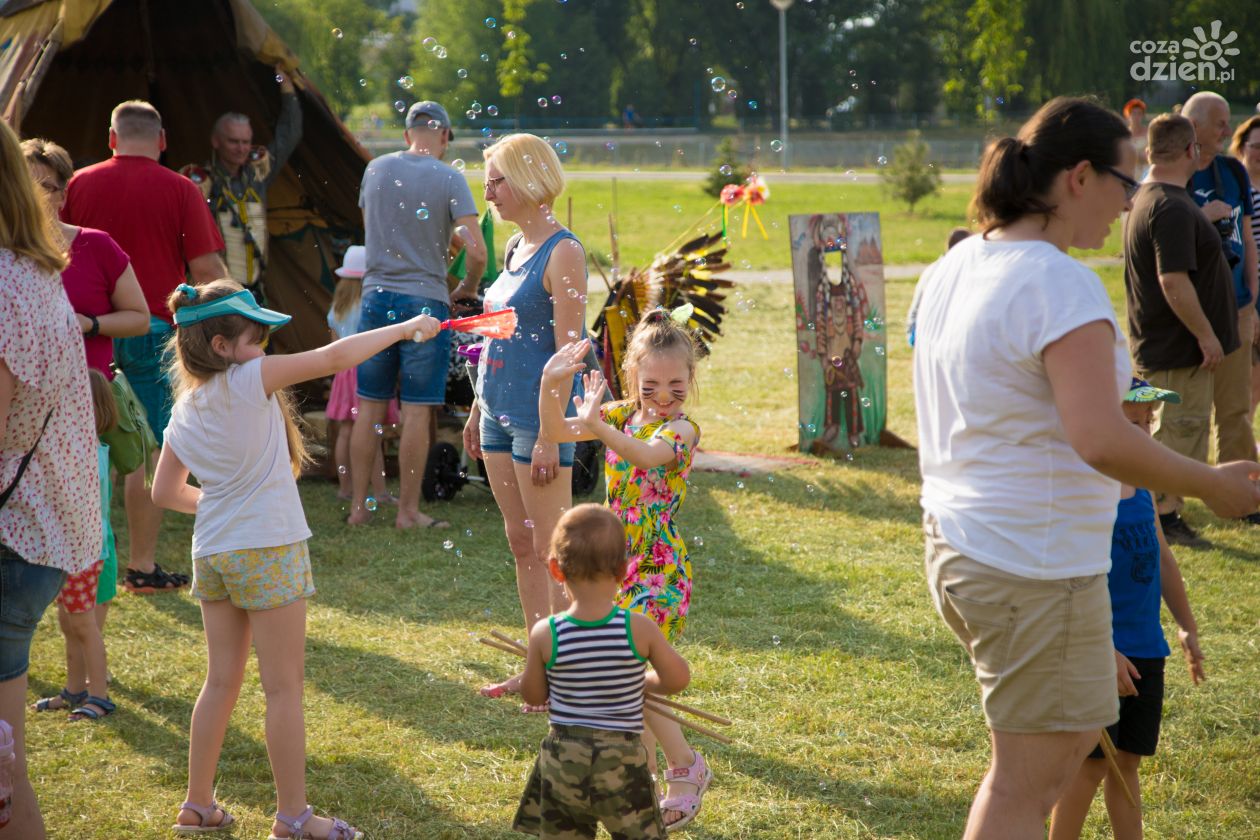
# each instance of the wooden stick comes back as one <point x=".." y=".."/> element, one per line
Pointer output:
<point x="500" y="646"/>
<point x="650" y="706"/>
<point x="692" y="710"/>
<point x="508" y="640"/>
<point x="1109" y="750"/>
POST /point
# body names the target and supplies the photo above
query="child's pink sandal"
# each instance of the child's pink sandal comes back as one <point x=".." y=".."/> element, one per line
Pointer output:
<point x="688" y="804"/>
<point x="340" y="830"/>
<point x="205" y="813"/>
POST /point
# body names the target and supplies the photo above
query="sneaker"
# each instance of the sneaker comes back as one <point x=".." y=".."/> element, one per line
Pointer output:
<point x="1178" y="532"/>
<point x="1250" y="519"/>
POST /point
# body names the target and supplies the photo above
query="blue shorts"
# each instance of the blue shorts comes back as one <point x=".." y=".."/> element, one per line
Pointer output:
<point x="496" y="437"/>
<point x="26" y="590"/>
<point x="143" y="359"/>
<point x="415" y="372"/>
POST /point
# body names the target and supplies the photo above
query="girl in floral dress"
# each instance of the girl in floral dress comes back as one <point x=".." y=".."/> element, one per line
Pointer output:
<point x="650" y="444"/>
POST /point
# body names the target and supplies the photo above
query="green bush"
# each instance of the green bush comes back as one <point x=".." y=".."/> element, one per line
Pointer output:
<point x="727" y="168"/>
<point x="910" y="177"/>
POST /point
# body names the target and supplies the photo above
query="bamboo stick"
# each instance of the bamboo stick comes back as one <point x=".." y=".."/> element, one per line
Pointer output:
<point x="683" y="707"/>
<point x="500" y="646"/>
<point x="1109" y="750"/>
<point x="508" y="640"/>
<point x="650" y="706"/>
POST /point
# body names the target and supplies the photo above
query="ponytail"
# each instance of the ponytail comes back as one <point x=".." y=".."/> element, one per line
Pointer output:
<point x="1018" y="173"/>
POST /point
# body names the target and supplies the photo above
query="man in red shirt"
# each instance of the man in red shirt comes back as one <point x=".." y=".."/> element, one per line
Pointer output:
<point x="161" y="220"/>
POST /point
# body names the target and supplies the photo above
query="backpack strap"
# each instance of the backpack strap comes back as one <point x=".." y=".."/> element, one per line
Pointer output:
<point x="26" y="460"/>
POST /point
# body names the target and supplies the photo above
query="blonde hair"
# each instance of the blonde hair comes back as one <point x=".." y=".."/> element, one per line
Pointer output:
<point x="194" y="362"/>
<point x="46" y="152"/>
<point x="346" y="296"/>
<point x="136" y="119"/>
<point x="656" y="332"/>
<point x="103" y="404"/>
<point x="589" y="542"/>
<point x="530" y="165"/>
<point x="26" y="227"/>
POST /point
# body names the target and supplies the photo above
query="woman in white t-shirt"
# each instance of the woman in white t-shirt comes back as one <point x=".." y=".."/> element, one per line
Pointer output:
<point x="233" y="427"/>
<point x="1019" y="366"/>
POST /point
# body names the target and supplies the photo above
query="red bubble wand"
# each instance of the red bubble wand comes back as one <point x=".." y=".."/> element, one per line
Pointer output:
<point x="500" y="324"/>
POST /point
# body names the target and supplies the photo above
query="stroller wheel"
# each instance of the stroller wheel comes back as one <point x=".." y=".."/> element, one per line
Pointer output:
<point x="588" y="459"/>
<point x="443" y="475"/>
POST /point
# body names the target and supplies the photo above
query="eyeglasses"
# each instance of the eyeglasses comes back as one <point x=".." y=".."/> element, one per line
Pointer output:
<point x="492" y="184"/>
<point x="1130" y="185"/>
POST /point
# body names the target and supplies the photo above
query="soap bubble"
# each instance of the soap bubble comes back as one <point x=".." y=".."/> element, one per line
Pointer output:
<point x="504" y="420"/>
<point x="475" y="107"/>
<point x="776" y="640"/>
<point x="866" y="402"/>
<point x="697" y="541"/>
<point x="542" y="102"/>
<point x="492" y="110"/>
<point x="341" y="469"/>
<point x="529" y="523"/>
<point x="462" y="73"/>
<point x="440" y="52"/>
<point x="881" y="160"/>
<point x="460" y="166"/>
<point x="379" y="429"/>
<point x="448" y="545"/>
<point x="725" y="169"/>
<point x="555" y="99"/>
<point x="484" y="56"/>
<point x="406" y="82"/>
<point x="400" y="106"/>
<point x="391" y="315"/>
<point x="369" y="503"/>
<point x="752" y="105"/>
<point x="338" y="34"/>
<point x="562" y="148"/>
<point x="362" y="82"/>
<point x="776" y="145"/>
<point x="423" y="214"/>
<point x="429" y="43"/>
<point x="610" y="146"/>
<point x="718" y="84"/>
<point x="491" y="22"/>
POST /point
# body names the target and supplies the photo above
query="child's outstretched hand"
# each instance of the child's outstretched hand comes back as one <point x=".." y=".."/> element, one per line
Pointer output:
<point x="1194" y="656"/>
<point x="566" y="361"/>
<point x="1126" y="673"/>
<point x="588" y="406"/>
<point x="422" y="327"/>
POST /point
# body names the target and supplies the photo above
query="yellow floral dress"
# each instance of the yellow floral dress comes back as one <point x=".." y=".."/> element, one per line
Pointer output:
<point x="658" y="573"/>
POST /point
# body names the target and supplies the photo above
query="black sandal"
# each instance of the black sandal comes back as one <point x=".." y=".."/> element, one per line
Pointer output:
<point x="154" y="582"/>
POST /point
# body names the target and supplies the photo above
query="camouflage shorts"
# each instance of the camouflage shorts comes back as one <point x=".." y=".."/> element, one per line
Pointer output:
<point x="584" y="777"/>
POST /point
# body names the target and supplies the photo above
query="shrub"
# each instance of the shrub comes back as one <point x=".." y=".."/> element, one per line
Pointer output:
<point x="910" y="177"/>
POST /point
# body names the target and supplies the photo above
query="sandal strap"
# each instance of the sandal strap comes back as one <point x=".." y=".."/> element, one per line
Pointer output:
<point x="107" y="707"/>
<point x="204" y="813"/>
<point x="295" y="823"/>
<point x="688" y="803"/>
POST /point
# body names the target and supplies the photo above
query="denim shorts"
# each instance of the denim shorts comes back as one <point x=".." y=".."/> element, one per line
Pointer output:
<point x="496" y="437"/>
<point x="142" y="358"/>
<point x="414" y="371"/>
<point x="26" y="590"/>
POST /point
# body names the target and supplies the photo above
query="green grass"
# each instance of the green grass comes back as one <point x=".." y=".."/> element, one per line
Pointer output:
<point x="652" y="214"/>
<point x="855" y="713"/>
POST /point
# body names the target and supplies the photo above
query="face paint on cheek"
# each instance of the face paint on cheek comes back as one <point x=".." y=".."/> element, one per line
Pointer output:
<point x="679" y="394"/>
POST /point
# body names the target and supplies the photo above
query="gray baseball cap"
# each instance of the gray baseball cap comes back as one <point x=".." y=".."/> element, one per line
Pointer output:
<point x="423" y="112"/>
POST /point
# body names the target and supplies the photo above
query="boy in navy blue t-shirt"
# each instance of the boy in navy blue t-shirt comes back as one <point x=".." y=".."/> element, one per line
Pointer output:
<point x="1142" y="569"/>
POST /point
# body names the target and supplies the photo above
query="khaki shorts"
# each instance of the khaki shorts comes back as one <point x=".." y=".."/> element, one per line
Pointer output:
<point x="1042" y="649"/>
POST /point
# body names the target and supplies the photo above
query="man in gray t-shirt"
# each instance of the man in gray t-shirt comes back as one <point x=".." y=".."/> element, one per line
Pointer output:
<point x="412" y="203"/>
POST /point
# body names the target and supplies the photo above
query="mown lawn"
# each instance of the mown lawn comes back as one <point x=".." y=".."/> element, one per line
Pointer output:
<point x="855" y="712"/>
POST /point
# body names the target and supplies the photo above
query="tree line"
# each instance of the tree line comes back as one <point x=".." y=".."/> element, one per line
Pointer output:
<point x="581" y="62"/>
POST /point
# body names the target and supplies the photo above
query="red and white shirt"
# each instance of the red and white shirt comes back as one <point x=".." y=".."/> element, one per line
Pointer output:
<point x="53" y="517"/>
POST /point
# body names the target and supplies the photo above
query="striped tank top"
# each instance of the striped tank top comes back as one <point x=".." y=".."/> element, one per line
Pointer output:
<point x="595" y="676"/>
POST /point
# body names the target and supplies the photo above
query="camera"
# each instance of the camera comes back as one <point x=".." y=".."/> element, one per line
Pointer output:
<point x="1225" y="227"/>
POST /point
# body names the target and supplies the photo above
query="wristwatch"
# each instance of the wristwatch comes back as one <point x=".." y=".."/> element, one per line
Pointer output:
<point x="96" y="327"/>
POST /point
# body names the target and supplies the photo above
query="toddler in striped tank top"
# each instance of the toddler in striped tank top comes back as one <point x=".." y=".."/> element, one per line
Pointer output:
<point x="588" y="664"/>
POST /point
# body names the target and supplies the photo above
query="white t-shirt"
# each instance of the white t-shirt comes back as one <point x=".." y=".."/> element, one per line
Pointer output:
<point x="231" y="436"/>
<point x="998" y="472"/>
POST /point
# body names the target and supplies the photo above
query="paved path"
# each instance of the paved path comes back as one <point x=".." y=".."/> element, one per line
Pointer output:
<point x="829" y="177"/>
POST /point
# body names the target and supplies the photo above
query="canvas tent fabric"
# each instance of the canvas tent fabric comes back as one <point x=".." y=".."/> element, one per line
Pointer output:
<point x="65" y="64"/>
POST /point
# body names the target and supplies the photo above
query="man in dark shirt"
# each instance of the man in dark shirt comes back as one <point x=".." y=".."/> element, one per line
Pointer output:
<point x="1183" y="316"/>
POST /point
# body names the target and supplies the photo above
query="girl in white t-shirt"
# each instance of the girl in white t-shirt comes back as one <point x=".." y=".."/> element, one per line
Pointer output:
<point x="234" y="427"/>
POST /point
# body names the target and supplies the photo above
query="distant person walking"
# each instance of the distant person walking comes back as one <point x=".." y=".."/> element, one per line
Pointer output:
<point x="1019" y="367"/>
